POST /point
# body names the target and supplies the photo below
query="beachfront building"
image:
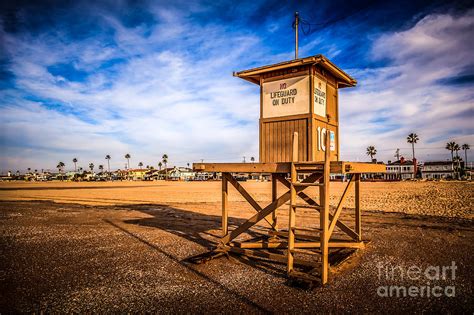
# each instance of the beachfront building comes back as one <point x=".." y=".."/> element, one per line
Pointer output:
<point x="136" y="174"/>
<point x="7" y="177"/>
<point x="469" y="171"/>
<point x="71" y="175"/>
<point x="160" y="174"/>
<point x="399" y="170"/>
<point x="172" y="173"/>
<point x="202" y="176"/>
<point x="181" y="173"/>
<point x="438" y="170"/>
<point x="43" y="176"/>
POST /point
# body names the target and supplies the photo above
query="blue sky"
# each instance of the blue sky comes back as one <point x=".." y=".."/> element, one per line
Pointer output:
<point x="88" y="78"/>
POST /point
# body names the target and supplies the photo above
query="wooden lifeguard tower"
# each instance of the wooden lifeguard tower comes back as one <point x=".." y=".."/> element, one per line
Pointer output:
<point x="298" y="96"/>
<point x="299" y="138"/>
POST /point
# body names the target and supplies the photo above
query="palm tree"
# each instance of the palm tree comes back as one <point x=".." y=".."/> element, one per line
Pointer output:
<point x="60" y="167"/>
<point x="413" y="138"/>
<point x="29" y="169"/>
<point x="165" y="162"/>
<point x="101" y="168"/>
<point x="91" y="166"/>
<point x="457" y="159"/>
<point x="450" y="146"/>
<point x="252" y="159"/>
<point x="371" y="151"/>
<point x="107" y="157"/>
<point x="160" y="165"/>
<point x="465" y="147"/>
<point x="457" y="148"/>
<point x="74" y="160"/>
<point x="140" y="165"/>
<point x="128" y="157"/>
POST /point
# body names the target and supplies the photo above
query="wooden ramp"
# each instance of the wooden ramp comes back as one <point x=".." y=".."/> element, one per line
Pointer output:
<point x="285" y="246"/>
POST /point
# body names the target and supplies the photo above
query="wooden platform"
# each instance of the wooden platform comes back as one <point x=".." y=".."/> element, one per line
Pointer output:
<point x="290" y="242"/>
<point x="336" y="167"/>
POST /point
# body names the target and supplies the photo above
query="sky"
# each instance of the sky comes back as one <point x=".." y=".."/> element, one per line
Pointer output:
<point x="82" y="79"/>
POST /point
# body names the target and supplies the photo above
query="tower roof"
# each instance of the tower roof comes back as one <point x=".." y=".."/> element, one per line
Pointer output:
<point x="253" y="75"/>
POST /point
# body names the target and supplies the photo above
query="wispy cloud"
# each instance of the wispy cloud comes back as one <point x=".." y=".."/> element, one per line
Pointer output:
<point x="159" y="80"/>
<point x="159" y="97"/>
<point x="410" y="94"/>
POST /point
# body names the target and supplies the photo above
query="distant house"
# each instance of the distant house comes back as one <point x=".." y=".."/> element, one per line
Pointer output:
<point x="438" y="170"/>
<point x="468" y="171"/>
<point x="401" y="169"/>
<point x="202" y="176"/>
<point x="181" y="173"/>
<point x="85" y="176"/>
<point x="6" y="177"/>
<point x="264" y="177"/>
<point x="172" y="173"/>
<point x="30" y="176"/>
<point x="44" y="176"/>
<point x="136" y="174"/>
<point x="71" y="175"/>
<point x="159" y="174"/>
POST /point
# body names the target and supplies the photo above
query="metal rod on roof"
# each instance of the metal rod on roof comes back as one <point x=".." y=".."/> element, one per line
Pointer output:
<point x="296" y="34"/>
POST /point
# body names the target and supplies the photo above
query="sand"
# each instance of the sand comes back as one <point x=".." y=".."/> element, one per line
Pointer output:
<point x="449" y="199"/>
<point x="121" y="247"/>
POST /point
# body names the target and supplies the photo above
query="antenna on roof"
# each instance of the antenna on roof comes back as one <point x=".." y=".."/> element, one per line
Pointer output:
<point x="296" y="34"/>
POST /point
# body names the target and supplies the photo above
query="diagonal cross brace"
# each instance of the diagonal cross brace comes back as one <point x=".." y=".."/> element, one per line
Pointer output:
<point x="265" y="211"/>
<point x="310" y="201"/>
<point x="246" y="195"/>
<point x="339" y="207"/>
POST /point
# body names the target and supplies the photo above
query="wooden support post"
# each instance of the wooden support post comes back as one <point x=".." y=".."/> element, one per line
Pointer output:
<point x="358" y="228"/>
<point x="274" y="197"/>
<point x="225" y="209"/>
<point x="292" y="209"/>
<point x="324" y="216"/>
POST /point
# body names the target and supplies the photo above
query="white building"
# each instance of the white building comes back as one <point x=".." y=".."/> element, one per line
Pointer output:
<point x="181" y="173"/>
<point x="438" y="170"/>
<point x="402" y="169"/>
<point x="202" y="176"/>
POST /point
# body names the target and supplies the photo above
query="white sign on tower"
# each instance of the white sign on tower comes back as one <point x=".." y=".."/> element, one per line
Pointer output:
<point x="319" y="97"/>
<point x="286" y="97"/>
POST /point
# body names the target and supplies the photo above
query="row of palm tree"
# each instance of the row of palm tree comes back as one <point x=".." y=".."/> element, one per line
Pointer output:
<point x="454" y="147"/>
<point x="413" y="138"/>
<point x="456" y="160"/>
<point x="164" y="160"/>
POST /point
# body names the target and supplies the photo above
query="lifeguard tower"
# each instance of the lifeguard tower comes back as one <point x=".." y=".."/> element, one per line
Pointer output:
<point x="299" y="96"/>
<point x="299" y="138"/>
